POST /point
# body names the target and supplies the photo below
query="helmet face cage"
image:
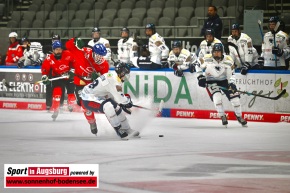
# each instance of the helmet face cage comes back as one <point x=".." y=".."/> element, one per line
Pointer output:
<point x="123" y="70"/>
<point x="99" y="51"/>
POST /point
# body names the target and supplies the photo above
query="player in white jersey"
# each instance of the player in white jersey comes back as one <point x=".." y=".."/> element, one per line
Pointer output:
<point x="206" y="45"/>
<point x="157" y="47"/>
<point x="219" y="73"/>
<point x="105" y="95"/>
<point x="97" y="39"/>
<point x="181" y="59"/>
<point x="32" y="53"/>
<point x="274" y="47"/>
<point x="242" y="50"/>
<point x="127" y="48"/>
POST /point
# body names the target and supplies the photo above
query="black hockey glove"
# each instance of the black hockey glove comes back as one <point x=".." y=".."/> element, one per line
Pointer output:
<point x="277" y="51"/>
<point x="164" y="63"/>
<point x="178" y="73"/>
<point x="71" y="74"/>
<point x="20" y="64"/>
<point x="245" y="67"/>
<point x="201" y="81"/>
<point x="38" y="62"/>
<point x="233" y="87"/>
<point x="191" y="68"/>
<point x="261" y="62"/>
<point x="126" y="107"/>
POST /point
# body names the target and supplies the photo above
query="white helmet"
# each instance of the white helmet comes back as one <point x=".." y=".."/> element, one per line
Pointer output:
<point x="13" y="35"/>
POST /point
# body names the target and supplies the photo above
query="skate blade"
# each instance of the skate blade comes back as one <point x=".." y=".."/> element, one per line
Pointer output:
<point x="245" y="125"/>
<point x="226" y="126"/>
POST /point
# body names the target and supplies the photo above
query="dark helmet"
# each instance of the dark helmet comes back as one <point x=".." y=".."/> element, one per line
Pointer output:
<point x="25" y="39"/>
<point x="151" y="26"/>
<point x="274" y="19"/>
<point x="56" y="44"/>
<point x="209" y="31"/>
<point x="218" y="47"/>
<point x="55" y="37"/>
<point x="122" y="69"/>
<point x="96" y="29"/>
<point x="125" y="29"/>
<point x="144" y="46"/>
<point x="176" y="44"/>
<point x="100" y="49"/>
<point x="235" y="26"/>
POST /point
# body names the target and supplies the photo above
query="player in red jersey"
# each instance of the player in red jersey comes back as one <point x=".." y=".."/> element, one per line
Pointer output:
<point x="89" y="62"/>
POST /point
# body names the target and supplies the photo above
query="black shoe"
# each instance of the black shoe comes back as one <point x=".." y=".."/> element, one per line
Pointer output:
<point x="94" y="129"/>
<point x="224" y="120"/>
<point x="242" y="121"/>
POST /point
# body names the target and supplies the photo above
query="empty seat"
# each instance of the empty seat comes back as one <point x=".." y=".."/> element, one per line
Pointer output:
<point x="165" y="21"/>
<point x="170" y="12"/>
<point x="45" y="34"/>
<point x="76" y="23"/>
<point x="112" y="5"/>
<point x="17" y="15"/>
<point x="181" y="31"/>
<point x="59" y="7"/>
<point x="105" y="22"/>
<point x="68" y="15"/>
<point x="157" y="3"/>
<point x="85" y="6"/>
<point x="56" y="15"/>
<point x="119" y="22"/>
<point x="37" y="2"/>
<point x="221" y="11"/>
<point x="200" y="11"/>
<point x="99" y="5"/>
<point x="42" y="15"/>
<point x="63" y="23"/>
<point x="91" y="2"/>
<point x="110" y="13"/>
<point x="77" y="1"/>
<point x="139" y="13"/>
<point x="33" y="7"/>
<point x="12" y="24"/>
<point x="147" y="20"/>
<point x="50" y="23"/>
<point x="234" y="11"/>
<point x="187" y="3"/>
<point x="33" y="34"/>
<point x="134" y="21"/>
<point x="186" y="12"/>
<point x="72" y="6"/>
<point x="204" y="3"/>
<point x="95" y="14"/>
<point x="124" y="13"/>
<point x="172" y="3"/>
<point x="154" y="12"/>
<point x="29" y="16"/>
<point x="236" y="3"/>
<point x="127" y="5"/>
<point x="193" y="21"/>
<point x="90" y="22"/>
<point x="142" y="4"/>
<point x="82" y="15"/>
<point x="51" y="2"/>
<point x="37" y="23"/>
<point x="46" y="7"/>
<point x="25" y="23"/>
<point x="218" y="3"/>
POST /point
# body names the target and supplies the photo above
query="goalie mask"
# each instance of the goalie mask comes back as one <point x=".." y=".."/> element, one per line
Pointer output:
<point x="217" y="51"/>
<point x="123" y="71"/>
<point x="99" y="51"/>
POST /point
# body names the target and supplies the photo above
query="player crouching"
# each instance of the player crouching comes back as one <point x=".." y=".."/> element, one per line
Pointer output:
<point x="104" y="95"/>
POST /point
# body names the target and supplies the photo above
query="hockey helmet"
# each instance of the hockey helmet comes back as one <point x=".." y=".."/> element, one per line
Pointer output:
<point x="209" y="31"/>
<point x="13" y="35"/>
<point x="274" y="19"/>
<point x="96" y="29"/>
<point x="122" y="69"/>
<point x="100" y="49"/>
<point x="56" y="44"/>
<point x="218" y="47"/>
<point x="125" y="29"/>
<point x="55" y="37"/>
<point x="176" y="44"/>
<point x="24" y="39"/>
<point x="235" y="26"/>
<point x="151" y="26"/>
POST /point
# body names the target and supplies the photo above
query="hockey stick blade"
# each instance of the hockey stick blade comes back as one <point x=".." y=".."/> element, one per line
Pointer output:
<point x="52" y="79"/>
<point x="258" y="95"/>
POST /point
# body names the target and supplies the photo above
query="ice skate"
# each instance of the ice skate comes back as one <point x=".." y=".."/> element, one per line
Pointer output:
<point x="133" y="133"/>
<point x="121" y="133"/>
<point x="94" y="129"/>
<point x="224" y="120"/>
<point x="54" y="115"/>
<point x="242" y="121"/>
<point x="48" y="109"/>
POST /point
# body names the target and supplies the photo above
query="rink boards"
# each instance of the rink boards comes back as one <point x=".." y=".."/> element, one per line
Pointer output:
<point x="182" y="96"/>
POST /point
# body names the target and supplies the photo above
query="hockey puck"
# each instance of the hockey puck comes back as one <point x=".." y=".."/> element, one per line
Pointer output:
<point x="161" y="135"/>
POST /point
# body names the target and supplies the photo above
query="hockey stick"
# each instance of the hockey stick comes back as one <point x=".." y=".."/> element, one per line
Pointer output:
<point x="160" y="108"/>
<point x="237" y="49"/>
<point x="52" y="79"/>
<point x="275" y="30"/>
<point x="5" y="83"/>
<point x="257" y="95"/>
<point x="261" y="31"/>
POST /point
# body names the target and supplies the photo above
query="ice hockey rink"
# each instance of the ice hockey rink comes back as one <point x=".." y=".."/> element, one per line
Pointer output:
<point x="194" y="156"/>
